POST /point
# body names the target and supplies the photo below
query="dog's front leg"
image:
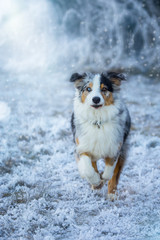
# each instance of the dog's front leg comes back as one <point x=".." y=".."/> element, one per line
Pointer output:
<point x="87" y="171"/>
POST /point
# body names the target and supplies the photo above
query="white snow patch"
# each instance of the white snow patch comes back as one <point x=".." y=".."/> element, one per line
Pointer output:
<point x="4" y="111"/>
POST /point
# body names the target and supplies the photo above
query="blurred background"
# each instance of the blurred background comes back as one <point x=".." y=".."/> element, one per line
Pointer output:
<point x="42" y="42"/>
<point x="60" y="35"/>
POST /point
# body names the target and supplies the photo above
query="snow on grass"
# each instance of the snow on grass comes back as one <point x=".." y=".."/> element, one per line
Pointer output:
<point x="42" y="195"/>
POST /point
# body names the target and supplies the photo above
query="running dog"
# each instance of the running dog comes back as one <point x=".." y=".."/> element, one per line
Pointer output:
<point x="100" y="125"/>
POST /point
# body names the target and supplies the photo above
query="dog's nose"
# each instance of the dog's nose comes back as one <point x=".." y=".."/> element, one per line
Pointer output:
<point x="96" y="100"/>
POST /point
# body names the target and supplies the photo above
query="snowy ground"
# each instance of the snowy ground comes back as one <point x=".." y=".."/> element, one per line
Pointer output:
<point x="42" y="196"/>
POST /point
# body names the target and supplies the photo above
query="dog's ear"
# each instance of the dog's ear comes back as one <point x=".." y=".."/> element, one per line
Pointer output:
<point x="77" y="79"/>
<point x="116" y="78"/>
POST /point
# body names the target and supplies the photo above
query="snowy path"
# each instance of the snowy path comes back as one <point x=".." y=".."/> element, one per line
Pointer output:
<point x="42" y="196"/>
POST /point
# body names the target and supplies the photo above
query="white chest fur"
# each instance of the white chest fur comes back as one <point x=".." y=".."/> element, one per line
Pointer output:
<point x="103" y="141"/>
<point x="100" y="142"/>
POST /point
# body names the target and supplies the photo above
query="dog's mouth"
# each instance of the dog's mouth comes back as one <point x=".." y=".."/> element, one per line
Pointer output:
<point x="96" y="106"/>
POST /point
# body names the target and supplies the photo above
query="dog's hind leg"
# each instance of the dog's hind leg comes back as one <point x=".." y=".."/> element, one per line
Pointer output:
<point x="112" y="184"/>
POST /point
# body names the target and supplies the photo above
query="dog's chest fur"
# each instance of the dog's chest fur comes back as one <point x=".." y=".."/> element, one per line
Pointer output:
<point x="100" y="142"/>
<point x="100" y="133"/>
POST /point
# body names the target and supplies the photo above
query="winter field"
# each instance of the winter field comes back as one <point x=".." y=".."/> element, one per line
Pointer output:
<point x="42" y="196"/>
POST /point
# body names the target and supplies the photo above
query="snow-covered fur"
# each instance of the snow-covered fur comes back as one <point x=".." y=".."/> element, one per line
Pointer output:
<point x="100" y="123"/>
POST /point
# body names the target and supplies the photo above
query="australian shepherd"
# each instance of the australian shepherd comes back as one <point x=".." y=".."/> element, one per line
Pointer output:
<point x="100" y="125"/>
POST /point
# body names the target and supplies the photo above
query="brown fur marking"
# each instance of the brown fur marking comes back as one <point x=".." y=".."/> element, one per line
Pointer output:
<point x="102" y="86"/>
<point x="85" y="154"/>
<point x="107" y="99"/>
<point x="112" y="184"/>
<point x="94" y="165"/>
<point x="84" y="95"/>
<point x="90" y="85"/>
<point x="77" y="141"/>
<point x="109" y="161"/>
<point x="116" y="81"/>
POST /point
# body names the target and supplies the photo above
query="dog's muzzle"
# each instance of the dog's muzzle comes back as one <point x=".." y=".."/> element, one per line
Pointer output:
<point x="96" y="101"/>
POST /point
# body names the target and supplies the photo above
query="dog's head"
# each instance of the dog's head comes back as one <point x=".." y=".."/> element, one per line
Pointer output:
<point x="97" y="90"/>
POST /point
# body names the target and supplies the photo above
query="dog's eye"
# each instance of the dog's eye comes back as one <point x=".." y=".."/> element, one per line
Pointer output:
<point x="104" y="89"/>
<point x="88" y="89"/>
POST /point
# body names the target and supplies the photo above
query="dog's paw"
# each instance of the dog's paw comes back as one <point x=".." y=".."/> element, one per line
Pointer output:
<point x="112" y="197"/>
<point x="94" y="179"/>
<point x="98" y="187"/>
